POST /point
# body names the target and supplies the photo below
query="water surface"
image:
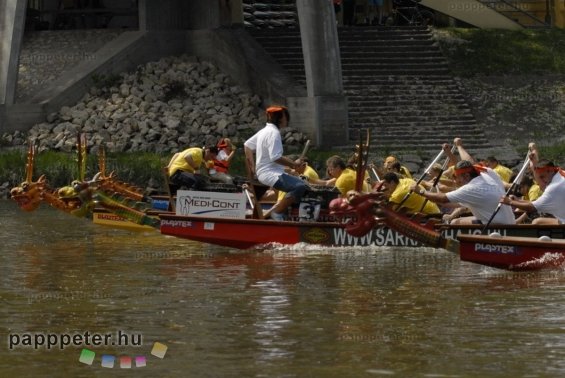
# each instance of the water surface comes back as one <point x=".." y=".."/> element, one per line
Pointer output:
<point x="285" y="312"/>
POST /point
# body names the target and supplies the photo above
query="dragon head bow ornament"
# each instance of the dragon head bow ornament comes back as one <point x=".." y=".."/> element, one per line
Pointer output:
<point x="364" y="212"/>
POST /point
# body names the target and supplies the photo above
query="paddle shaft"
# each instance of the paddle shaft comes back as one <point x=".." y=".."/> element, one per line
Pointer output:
<point x="250" y="190"/>
<point x="516" y="182"/>
<point x="421" y="178"/>
<point x="251" y="203"/>
<point x="375" y="173"/>
<point x="362" y="160"/>
<point x="438" y="178"/>
<point x="305" y="150"/>
<point x="172" y="204"/>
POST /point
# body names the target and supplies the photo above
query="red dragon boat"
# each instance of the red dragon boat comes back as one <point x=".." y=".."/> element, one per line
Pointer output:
<point x="511" y="252"/>
<point x="374" y="225"/>
<point x="249" y="233"/>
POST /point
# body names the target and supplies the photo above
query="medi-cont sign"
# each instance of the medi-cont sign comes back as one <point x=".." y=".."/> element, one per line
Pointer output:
<point x="210" y="204"/>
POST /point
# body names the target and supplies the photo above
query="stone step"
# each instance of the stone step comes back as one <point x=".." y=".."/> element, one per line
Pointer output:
<point x="370" y="99"/>
<point x="366" y="73"/>
<point x="430" y="147"/>
<point x="351" y="61"/>
<point x="379" y="66"/>
<point x="385" y="77"/>
<point x="397" y="84"/>
<point x="394" y="130"/>
<point x="443" y="118"/>
<point x="360" y="113"/>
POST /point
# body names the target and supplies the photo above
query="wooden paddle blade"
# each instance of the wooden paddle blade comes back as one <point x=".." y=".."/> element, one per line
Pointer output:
<point x="81" y="156"/>
<point x="362" y="155"/>
<point x="102" y="161"/>
<point x="30" y="160"/>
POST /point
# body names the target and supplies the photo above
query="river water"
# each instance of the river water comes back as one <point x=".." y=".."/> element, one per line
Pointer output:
<point x="298" y="311"/>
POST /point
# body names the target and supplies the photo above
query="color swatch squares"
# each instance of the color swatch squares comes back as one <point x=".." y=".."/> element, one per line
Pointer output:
<point x="108" y="361"/>
<point x="125" y="362"/>
<point x="140" y="361"/>
<point x="159" y="350"/>
<point x="87" y="356"/>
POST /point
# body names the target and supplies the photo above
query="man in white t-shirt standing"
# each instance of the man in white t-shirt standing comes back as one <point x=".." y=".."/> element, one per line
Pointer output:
<point x="269" y="161"/>
<point x="479" y="190"/>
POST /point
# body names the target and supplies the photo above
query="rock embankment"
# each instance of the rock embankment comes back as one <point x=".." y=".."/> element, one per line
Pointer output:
<point x="47" y="54"/>
<point x="162" y="107"/>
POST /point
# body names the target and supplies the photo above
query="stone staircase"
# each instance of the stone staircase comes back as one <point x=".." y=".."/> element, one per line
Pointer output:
<point x="397" y="84"/>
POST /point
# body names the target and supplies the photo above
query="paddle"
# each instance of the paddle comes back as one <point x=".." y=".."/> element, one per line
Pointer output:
<point x="516" y="182"/>
<point x="172" y="204"/>
<point x="375" y="173"/>
<point x="305" y="150"/>
<point x="250" y="190"/>
<point x="436" y="181"/>
<point x="421" y="178"/>
<point x="362" y="159"/>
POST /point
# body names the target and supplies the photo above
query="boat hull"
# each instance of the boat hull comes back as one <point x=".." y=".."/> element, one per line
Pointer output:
<point x="512" y="253"/>
<point x="106" y="218"/>
<point x="248" y="233"/>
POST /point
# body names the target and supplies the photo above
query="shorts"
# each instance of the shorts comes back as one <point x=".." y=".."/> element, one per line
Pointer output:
<point x="292" y="185"/>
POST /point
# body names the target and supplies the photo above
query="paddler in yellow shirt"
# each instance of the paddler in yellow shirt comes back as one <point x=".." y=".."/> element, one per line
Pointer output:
<point x="396" y="189"/>
<point x="183" y="166"/>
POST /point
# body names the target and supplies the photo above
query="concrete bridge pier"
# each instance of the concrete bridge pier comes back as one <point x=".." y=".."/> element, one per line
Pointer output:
<point x="12" y="26"/>
<point x="323" y="113"/>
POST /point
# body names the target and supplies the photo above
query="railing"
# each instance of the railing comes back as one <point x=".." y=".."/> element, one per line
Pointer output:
<point x="511" y="9"/>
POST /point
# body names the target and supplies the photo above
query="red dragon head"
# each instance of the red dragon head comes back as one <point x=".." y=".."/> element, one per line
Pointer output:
<point x="29" y="194"/>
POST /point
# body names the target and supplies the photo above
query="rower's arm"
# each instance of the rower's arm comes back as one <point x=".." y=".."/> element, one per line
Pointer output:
<point x="463" y="154"/>
<point x="250" y="160"/>
<point x="525" y="205"/>
<point x="438" y="197"/>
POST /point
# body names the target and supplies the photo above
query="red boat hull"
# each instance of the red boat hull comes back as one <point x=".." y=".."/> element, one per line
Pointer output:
<point x="512" y="253"/>
<point x="248" y="233"/>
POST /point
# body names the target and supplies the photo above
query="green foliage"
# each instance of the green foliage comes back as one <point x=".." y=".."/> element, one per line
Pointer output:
<point x="12" y="167"/>
<point x="62" y="168"/>
<point x="495" y="52"/>
<point x="142" y="169"/>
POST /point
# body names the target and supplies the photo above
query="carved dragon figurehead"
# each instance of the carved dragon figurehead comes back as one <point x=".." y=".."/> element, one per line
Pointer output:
<point x="29" y="194"/>
<point x="358" y="210"/>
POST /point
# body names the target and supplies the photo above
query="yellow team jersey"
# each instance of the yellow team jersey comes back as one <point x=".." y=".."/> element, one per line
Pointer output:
<point x="503" y="172"/>
<point x="308" y="172"/>
<point x="405" y="172"/>
<point x="414" y="203"/>
<point x="534" y="193"/>
<point x="179" y="163"/>
<point x="346" y="182"/>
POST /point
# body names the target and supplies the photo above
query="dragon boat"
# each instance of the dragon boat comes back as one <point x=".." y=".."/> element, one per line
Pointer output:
<point x="366" y="221"/>
<point x="512" y="253"/>
<point x="250" y="233"/>
<point x="81" y="197"/>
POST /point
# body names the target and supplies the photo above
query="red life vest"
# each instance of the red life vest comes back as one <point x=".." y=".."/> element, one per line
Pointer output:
<point x="221" y="165"/>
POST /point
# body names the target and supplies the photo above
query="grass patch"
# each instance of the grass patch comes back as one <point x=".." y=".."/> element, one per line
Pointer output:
<point x="142" y="169"/>
<point x="498" y="52"/>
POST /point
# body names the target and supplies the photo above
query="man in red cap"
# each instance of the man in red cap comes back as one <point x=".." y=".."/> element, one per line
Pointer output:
<point x="269" y="162"/>
<point x="551" y="180"/>
<point x="479" y="190"/>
